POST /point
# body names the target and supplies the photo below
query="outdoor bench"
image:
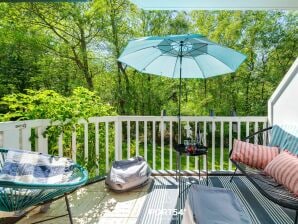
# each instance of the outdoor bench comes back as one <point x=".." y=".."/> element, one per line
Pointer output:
<point x="284" y="139"/>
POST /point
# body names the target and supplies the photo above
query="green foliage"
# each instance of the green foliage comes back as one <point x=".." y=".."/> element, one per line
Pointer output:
<point x="63" y="46"/>
<point x="64" y="113"/>
<point x="48" y="104"/>
<point x="49" y="50"/>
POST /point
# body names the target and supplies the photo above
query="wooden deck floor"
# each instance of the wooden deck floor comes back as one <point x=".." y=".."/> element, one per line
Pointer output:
<point x="96" y="204"/>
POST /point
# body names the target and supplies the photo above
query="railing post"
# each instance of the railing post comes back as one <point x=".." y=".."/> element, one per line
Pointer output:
<point x="10" y="138"/>
<point x="41" y="141"/>
<point x="118" y="139"/>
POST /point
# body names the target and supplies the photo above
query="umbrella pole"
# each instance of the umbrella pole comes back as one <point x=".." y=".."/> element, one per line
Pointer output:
<point x="179" y="101"/>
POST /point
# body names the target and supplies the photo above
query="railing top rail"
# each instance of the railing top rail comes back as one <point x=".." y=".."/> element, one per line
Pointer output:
<point x="183" y="118"/>
<point x="47" y="122"/>
<point x="23" y="124"/>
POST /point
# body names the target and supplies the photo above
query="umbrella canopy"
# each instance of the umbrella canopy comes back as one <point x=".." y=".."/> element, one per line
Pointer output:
<point x="200" y="57"/>
<point x="180" y="56"/>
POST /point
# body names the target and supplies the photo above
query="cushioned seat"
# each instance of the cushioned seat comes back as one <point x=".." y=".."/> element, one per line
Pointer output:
<point x="205" y="205"/>
<point x="128" y="174"/>
<point x="30" y="178"/>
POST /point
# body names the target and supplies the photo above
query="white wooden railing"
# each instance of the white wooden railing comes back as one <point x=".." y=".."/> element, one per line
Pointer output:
<point x="153" y="137"/>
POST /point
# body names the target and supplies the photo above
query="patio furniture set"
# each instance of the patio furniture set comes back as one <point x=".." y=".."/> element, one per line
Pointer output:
<point x="29" y="178"/>
<point x="272" y="166"/>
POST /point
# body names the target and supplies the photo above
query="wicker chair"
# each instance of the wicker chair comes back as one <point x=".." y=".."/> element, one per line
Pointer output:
<point x="18" y="196"/>
<point x="265" y="184"/>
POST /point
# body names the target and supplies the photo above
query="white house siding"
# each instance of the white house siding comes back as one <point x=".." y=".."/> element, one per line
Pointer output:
<point x="283" y="104"/>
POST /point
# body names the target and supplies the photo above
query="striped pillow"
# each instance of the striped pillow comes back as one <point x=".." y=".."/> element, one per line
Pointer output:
<point x="284" y="169"/>
<point x="256" y="156"/>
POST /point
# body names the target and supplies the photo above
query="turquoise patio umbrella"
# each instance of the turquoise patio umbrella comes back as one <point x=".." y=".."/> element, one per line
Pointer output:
<point x="180" y="56"/>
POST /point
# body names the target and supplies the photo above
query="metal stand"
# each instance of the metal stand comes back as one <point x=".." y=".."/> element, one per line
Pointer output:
<point x="180" y="181"/>
<point x="233" y="175"/>
<point x="68" y="209"/>
<point x="191" y="183"/>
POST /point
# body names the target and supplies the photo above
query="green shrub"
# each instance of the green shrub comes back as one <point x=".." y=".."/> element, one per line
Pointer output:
<point x="65" y="112"/>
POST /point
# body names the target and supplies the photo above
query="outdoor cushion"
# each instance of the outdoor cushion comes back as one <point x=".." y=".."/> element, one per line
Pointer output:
<point x="284" y="169"/>
<point x="206" y="205"/>
<point x="128" y="174"/>
<point x="31" y="167"/>
<point x="256" y="156"/>
<point x="285" y="137"/>
<point x="30" y="178"/>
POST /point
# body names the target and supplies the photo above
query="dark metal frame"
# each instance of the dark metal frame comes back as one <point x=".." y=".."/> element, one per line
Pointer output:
<point x="267" y="187"/>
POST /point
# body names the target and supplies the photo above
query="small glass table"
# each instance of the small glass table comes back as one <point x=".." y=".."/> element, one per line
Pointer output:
<point x="191" y="150"/>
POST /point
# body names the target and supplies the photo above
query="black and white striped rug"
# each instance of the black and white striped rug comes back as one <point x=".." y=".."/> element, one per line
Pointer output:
<point x="161" y="205"/>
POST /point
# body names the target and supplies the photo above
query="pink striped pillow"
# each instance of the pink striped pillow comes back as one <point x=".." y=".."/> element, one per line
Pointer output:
<point x="284" y="169"/>
<point x="257" y="156"/>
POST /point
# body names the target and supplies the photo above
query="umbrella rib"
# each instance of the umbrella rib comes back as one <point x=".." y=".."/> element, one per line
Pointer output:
<point x="197" y="49"/>
<point x="175" y="67"/>
<point x="140" y="50"/>
<point x="199" y="66"/>
<point x="153" y="60"/>
<point x="172" y="41"/>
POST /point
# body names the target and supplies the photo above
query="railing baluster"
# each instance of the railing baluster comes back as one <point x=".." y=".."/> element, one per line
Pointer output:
<point x="74" y="144"/>
<point x="86" y="141"/>
<point x="128" y="139"/>
<point x="107" y="146"/>
<point x="187" y="157"/>
<point x="41" y="141"/>
<point x="239" y="130"/>
<point x="97" y="147"/>
<point x="118" y="139"/>
<point x="230" y="142"/>
<point x="213" y="146"/>
<point x="247" y="130"/>
<point x="264" y="134"/>
<point x="154" y="145"/>
<point x="23" y="130"/>
<point x="26" y="134"/>
<point x="137" y="138"/>
<point x="221" y="145"/>
<point x="195" y="134"/>
<point x="60" y="144"/>
<point x="171" y="145"/>
<point x="162" y="144"/>
<point x="205" y="143"/>
<point x="256" y="136"/>
<point x="145" y="140"/>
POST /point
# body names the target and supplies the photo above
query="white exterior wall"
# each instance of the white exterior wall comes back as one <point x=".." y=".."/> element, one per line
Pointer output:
<point x="216" y="4"/>
<point x="283" y="104"/>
